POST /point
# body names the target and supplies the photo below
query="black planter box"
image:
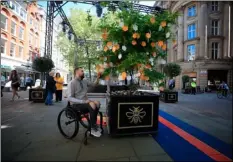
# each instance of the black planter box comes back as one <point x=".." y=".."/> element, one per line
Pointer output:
<point x="169" y="97"/>
<point x="129" y="115"/>
<point x="37" y="95"/>
<point x="97" y="89"/>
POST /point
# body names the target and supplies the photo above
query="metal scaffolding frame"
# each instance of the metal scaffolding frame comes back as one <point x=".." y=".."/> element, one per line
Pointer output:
<point x="56" y="6"/>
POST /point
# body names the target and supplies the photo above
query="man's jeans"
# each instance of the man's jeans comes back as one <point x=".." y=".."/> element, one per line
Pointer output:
<point x="49" y="98"/>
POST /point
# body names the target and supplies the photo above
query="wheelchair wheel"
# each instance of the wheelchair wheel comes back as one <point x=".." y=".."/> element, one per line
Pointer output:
<point x="85" y="121"/>
<point x="67" y="123"/>
<point x="219" y="94"/>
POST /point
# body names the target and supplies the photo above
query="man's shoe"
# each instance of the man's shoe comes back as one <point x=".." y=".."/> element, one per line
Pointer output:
<point x="95" y="132"/>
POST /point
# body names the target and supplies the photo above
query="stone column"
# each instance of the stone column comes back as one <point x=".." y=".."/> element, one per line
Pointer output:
<point x="203" y="17"/>
<point x="225" y="29"/>
<point x="180" y="45"/>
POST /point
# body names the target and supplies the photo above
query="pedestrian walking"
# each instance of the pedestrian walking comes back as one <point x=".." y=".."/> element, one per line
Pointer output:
<point x="15" y="83"/>
<point x="193" y="85"/>
<point x="3" y="83"/>
<point x="50" y="88"/>
<point x="59" y="86"/>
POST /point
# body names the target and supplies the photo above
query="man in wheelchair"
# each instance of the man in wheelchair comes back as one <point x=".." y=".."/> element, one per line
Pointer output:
<point x="77" y="96"/>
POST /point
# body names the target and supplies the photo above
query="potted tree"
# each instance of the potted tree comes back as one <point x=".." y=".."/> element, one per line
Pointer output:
<point x="169" y="95"/>
<point x="185" y="79"/>
<point x="131" y="45"/>
<point x="43" y="65"/>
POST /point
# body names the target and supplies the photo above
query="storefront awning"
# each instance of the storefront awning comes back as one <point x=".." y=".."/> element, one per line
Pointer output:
<point x="22" y="69"/>
<point x="6" y="68"/>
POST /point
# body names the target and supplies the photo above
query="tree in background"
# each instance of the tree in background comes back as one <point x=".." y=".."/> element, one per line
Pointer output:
<point x="43" y="65"/>
<point x="133" y="43"/>
<point x="85" y="27"/>
<point x="172" y="70"/>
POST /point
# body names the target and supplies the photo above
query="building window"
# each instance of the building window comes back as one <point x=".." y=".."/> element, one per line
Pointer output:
<point x="35" y="42"/>
<point x="215" y="46"/>
<point x="214" y="6"/>
<point x="192" y="11"/>
<point x="21" y="32"/>
<point x="191" y="31"/>
<point x="23" y="14"/>
<point x="13" y="28"/>
<point x="191" y="52"/>
<point x="20" y="51"/>
<point x="3" y="46"/>
<point x="31" y="21"/>
<point x="31" y="39"/>
<point x="12" y="49"/>
<point x="3" y="22"/>
<point x="215" y="27"/>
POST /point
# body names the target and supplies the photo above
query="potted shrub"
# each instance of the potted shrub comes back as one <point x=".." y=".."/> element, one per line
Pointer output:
<point x="185" y="80"/>
<point x="170" y="95"/>
<point x="43" y="65"/>
<point x="131" y="45"/>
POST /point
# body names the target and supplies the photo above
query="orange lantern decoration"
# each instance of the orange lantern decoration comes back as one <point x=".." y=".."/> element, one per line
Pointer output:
<point x="152" y="20"/>
<point x="113" y="49"/>
<point x="134" y="42"/>
<point x="135" y="35"/>
<point x="152" y="44"/>
<point x="109" y="44"/>
<point x="105" y="48"/>
<point x="143" y="43"/>
<point x="138" y="36"/>
<point x="104" y="36"/>
<point x="160" y="43"/>
<point x="146" y="78"/>
<point x="117" y="46"/>
<point x="148" y="35"/>
<point x="123" y="75"/>
<point x="163" y="23"/>
<point x="125" y="28"/>
<point x="164" y="47"/>
<point x="148" y="66"/>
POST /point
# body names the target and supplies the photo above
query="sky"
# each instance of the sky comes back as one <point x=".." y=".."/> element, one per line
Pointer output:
<point x="86" y="7"/>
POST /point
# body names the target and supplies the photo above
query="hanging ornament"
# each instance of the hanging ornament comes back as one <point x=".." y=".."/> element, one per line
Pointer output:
<point x="169" y="24"/>
<point x="124" y="48"/>
<point x="160" y="43"/>
<point x="160" y="28"/>
<point x="134" y="42"/>
<point x="121" y="24"/>
<point x="113" y="49"/>
<point x="135" y="27"/>
<point x="138" y="36"/>
<point x="152" y="20"/>
<point x="105" y="48"/>
<point x="109" y="45"/>
<point x="117" y="46"/>
<point x="148" y="35"/>
<point x="168" y="35"/>
<point x="135" y="35"/>
<point x="105" y="58"/>
<point x="147" y="53"/>
<point x="153" y="44"/>
<point x="163" y="23"/>
<point x="105" y="65"/>
<point x="119" y="56"/>
<point x="151" y="59"/>
<point x="143" y="43"/>
<point x="104" y="36"/>
<point x="164" y="47"/>
<point x="125" y="28"/>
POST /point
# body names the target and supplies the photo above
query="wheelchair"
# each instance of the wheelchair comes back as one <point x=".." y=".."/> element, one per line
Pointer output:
<point x="75" y="117"/>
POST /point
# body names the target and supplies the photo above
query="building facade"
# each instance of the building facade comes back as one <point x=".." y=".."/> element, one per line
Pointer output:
<point x="57" y="57"/>
<point x="20" y="35"/>
<point x="204" y="41"/>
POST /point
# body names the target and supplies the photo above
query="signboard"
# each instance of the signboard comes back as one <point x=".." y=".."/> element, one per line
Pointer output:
<point x="135" y="115"/>
<point x="203" y="73"/>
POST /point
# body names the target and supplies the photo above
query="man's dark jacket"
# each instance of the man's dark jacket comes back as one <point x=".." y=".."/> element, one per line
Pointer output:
<point x="50" y="84"/>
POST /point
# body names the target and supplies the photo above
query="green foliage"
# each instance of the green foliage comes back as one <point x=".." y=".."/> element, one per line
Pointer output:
<point x="85" y="27"/>
<point x="142" y="52"/>
<point x="185" y="78"/>
<point x="172" y="70"/>
<point x="43" y="64"/>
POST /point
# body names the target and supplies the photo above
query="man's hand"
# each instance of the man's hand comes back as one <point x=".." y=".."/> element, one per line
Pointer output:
<point x="87" y="101"/>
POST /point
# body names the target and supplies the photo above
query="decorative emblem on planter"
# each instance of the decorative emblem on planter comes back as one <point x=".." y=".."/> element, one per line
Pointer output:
<point x="136" y="115"/>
